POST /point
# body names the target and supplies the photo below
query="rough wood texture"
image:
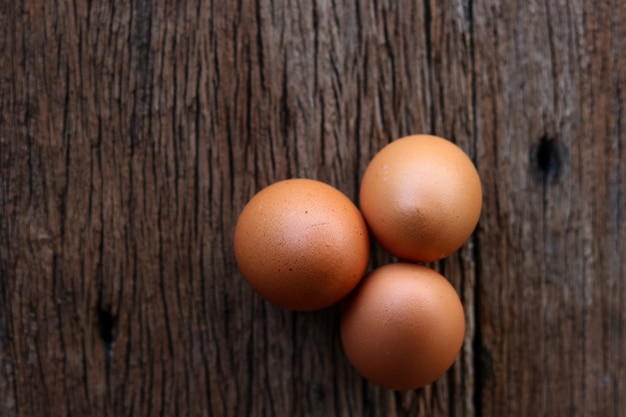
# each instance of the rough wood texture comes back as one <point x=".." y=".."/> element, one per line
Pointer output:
<point x="132" y="133"/>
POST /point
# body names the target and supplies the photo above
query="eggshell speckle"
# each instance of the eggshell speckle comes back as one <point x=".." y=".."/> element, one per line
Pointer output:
<point x="301" y="244"/>
<point x="421" y="197"/>
<point x="403" y="327"/>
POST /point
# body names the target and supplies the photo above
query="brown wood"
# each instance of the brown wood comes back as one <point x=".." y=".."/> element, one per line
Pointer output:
<point x="132" y="133"/>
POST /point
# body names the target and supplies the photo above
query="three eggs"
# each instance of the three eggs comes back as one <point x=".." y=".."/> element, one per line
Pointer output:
<point x="303" y="245"/>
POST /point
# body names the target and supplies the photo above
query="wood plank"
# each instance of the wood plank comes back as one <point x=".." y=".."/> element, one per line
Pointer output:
<point x="550" y="133"/>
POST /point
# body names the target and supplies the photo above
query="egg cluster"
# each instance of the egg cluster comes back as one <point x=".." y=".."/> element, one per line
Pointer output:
<point x="303" y="245"/>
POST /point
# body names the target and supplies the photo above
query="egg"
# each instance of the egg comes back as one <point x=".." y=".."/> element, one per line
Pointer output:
<point x="301" y="244"/>
<point x="403" y="327"/>
<point x="421" y="197"/>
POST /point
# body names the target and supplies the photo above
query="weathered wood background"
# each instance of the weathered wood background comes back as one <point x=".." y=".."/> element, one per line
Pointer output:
<point x="133" y="132"/>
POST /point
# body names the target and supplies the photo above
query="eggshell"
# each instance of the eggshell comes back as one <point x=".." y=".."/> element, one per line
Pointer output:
<point x="301" y="244"/>
<point x="403" y="327"/>
<point x="421" y="197"/>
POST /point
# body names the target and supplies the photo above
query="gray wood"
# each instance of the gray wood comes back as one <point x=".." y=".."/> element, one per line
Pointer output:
<point x="550" y="94"/>
<point x="133" y="133"/>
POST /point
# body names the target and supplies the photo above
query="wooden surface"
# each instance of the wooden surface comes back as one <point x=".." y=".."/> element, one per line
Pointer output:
<point x="132" y="133"/>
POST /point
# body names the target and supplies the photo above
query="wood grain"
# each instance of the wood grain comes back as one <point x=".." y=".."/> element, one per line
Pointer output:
<point x="553" y="237"/>
<point x="132" y="134"/>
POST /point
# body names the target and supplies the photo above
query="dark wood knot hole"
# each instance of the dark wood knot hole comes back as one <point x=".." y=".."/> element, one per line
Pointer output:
<point x="107" y="322"/>
<point x="547" y="158"/>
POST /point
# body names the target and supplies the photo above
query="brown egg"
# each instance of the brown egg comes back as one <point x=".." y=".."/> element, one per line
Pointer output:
<point x="403" y="327"/>
<point x="301" y="244"/>
<point x="421" y="198"/>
